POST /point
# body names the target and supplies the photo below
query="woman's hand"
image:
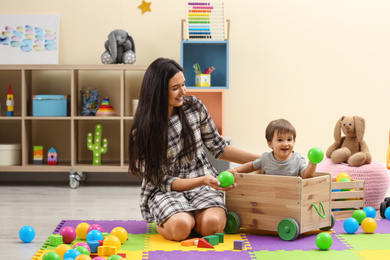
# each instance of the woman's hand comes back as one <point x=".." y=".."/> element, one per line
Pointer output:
<point x="215" y="183"/>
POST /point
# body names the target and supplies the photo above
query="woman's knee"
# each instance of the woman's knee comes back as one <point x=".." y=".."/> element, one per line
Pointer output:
<point x="179" y="226"/>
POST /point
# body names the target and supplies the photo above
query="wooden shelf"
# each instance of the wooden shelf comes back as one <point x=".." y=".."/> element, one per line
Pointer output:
<point x="119" y="82"/>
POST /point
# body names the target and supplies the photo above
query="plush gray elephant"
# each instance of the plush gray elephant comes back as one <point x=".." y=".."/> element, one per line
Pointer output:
<point x="119" y="48"/>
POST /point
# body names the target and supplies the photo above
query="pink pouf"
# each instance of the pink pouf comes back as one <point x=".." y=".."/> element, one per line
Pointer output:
<point x="374" y="174"/>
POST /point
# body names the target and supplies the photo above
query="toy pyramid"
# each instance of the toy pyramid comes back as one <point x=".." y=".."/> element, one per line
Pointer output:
<point x="106" y="109"/>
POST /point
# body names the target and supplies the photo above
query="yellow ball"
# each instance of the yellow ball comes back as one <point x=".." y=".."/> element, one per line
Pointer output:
<point x="61" y="249"/>
<point x="120" y="233"/>
<point x="83" y="257"/>
<point x="82" y="230"/>
<point x="369" y="225"/>
<point x="342" y="176"/>
<point x="112" y="241"/>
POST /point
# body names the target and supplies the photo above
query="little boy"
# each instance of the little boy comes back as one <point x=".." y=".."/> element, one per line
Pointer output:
<point x="280" y="135"/>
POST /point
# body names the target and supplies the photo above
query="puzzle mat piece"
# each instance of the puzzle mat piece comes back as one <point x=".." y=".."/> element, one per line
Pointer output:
<point x="373" y="254"/>
<point x="313" y="254"/>
<point x="197" y="255"/>
<point x="129" y="254"/>
<point x="367" y="241"/>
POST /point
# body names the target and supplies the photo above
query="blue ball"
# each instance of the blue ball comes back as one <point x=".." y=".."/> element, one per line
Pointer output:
<point x="94" y="235"/>
<point x="387" y="213"/>
<point x="351" y="225"/>
<point x="370" y="212"/>
<point x="71" y="253"/>
<point x="26" y="234"/>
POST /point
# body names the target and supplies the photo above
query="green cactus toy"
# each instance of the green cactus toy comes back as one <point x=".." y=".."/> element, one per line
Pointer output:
<point x="96" y="147"/>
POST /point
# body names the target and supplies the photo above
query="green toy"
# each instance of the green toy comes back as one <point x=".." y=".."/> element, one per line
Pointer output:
<point x="96" y="147"/>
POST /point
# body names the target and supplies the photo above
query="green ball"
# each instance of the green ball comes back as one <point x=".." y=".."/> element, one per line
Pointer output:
<point x="83" y="250"/>
<point x="359" y="215"/>
<point x="226" y="178"/>
<point x="51" y="256"/>
<point x="324" y="240"/>
<point x="315" y="155"/>
<point x="345" y="180"/>
<point x="114" y="257"/>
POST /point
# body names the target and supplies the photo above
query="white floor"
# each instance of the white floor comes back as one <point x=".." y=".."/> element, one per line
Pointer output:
<point x="44" y="206"/>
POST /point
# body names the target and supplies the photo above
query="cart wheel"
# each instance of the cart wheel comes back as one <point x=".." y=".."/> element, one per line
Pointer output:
<point x="74" y="183"/>
<point x="82" y="175"/>
<point x="288" y="229"/>
<point x="233" y="223"/>
<point x="387" y="199"/>
<point x="332" y="222"/>
<point x="383" y="209"/>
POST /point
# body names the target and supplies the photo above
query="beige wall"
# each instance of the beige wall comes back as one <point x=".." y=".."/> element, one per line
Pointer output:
<point x="309" y="61"/>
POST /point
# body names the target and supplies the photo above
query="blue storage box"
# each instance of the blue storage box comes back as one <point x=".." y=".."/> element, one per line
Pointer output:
<point x="50" y="105"/>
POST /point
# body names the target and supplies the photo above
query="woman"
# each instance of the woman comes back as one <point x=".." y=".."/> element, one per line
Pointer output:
<point x="180" y="190"/>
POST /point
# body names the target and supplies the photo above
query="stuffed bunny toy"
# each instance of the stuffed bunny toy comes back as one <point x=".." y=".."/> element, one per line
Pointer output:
<point x="350" y="148"/>
<point x="119" y="48"/>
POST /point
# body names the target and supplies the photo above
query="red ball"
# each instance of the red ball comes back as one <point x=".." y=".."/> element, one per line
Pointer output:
<point x="68" y="234"/>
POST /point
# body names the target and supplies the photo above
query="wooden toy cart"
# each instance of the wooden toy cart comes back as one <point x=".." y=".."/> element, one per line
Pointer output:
<point x="288" y="205"/>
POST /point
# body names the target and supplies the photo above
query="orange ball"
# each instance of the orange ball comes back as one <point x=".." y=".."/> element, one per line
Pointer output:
<point x="61" y="249"/>
<point x="120" y="233"/>
<point x="82" y="230"/>
<point x="112" y="241"/>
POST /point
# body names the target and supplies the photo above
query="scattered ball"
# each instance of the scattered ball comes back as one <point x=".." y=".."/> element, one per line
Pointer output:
<point x="345" y="180"/>
<point x="226" y="179"/>
<point x="114" y="257"/>
<point x="26" y="234"/>
<point x="82" y="230"/>
<point x="61" y="249"/>
<point x="370" y="212"/>
<point x="83" y="250"/>
<point x="342" y="176"/>
<point x="83" y="257"/>
<point x="387" y="213"/>
<point x="369" y="225"/>
<point x="68" y="234"/>
<point x="359" y="215"/>
<point x="71" y="253"/>
<point x="315" y="155"/>
<point x="95" y="227"/>
<point x="324" y="240"/>
<point x="51" y="256"/>
<point x="82" y="244"/>
<point x="112" y="241"/>
<point x="94" y="235"/>
<point x="351" y="225"/>
<point x="120" y="233"/>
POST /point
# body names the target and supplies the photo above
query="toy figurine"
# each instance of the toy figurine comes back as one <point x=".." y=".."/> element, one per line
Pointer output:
<point x="52" y="156"/>
<point x="38" y="154"/>
<point x="119" y="48"/>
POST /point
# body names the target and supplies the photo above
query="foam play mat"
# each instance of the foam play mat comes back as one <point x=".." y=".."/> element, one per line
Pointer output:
<point x="145" y="243"/>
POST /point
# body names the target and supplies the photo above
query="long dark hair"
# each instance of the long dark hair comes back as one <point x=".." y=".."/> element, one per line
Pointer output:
<point x="148" y="141"/>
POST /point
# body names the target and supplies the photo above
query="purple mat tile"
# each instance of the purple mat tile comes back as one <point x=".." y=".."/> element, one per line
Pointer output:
<point x="303" y="242"/>
<point x="383" y="227"/>
<point x="131" y="226"/>
<point x="194" y="255"/>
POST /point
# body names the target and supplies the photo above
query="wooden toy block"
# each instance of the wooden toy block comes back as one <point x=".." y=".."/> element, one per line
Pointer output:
<point x="196" y="242"/>
<point x="105" y="251"/>
<point x="204" y="244"/>
<point x="213" y="240"/>
<point x="55" y="240"/>
<point x="221" y="237"/>
<point x="239" y="245"/>
<point x="94" y="246"/>
<point x="189" y="242"/>
<point x="38" y="154"/>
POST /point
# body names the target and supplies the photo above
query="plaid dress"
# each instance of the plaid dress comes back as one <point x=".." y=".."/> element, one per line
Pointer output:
<point x="158" y="205"/>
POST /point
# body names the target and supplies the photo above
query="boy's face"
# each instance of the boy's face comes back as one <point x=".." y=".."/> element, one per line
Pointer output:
<point x="282" y="145"/>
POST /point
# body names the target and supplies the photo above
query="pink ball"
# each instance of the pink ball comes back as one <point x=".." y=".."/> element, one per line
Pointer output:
<point x="99" y="258"/>
<point x="68" y="234"/>
<point x="82" y="244"/>
<point x="95" y="227"/>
